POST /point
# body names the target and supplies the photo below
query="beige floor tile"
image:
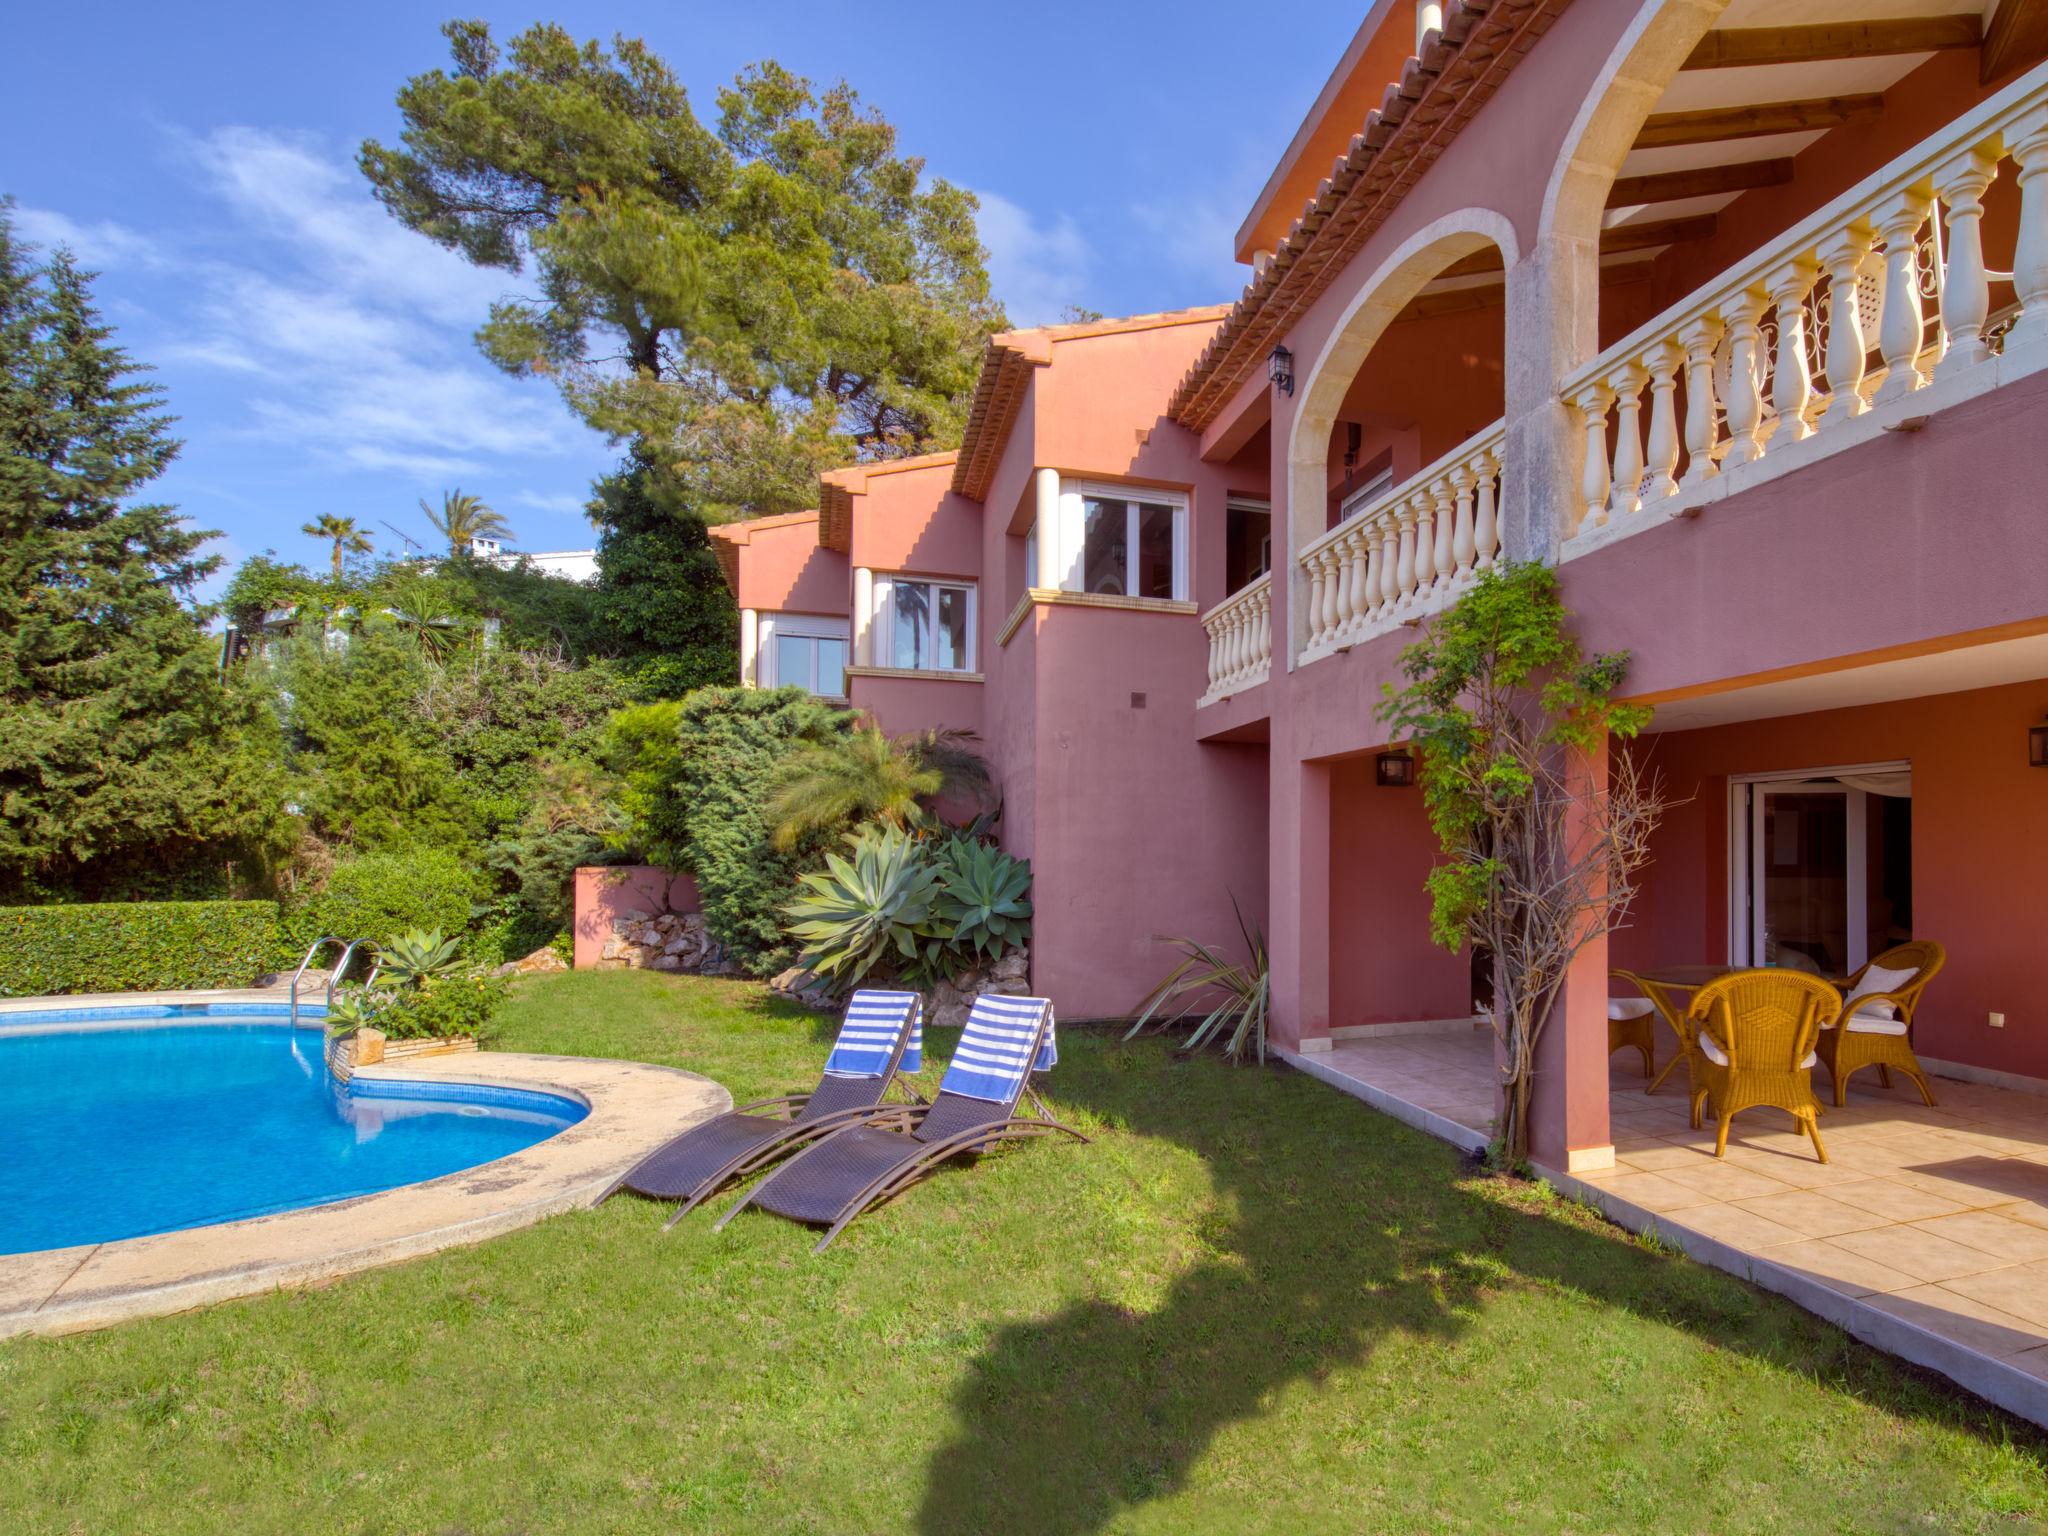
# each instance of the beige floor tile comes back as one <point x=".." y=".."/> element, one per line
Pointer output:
<point x="1654" y="1192"/>
<point x="1722" y="1180"/>
<point x="1812" y="1214"/>
<point x="2017" y="1242"/>
<point x="1986" y="1329"/>
<point x="1970" y="1193"/>
<point x="1839" y="1268"/>
<point x="1661" y="1155"/>
<point x="1738" y="1227"/>
<point x="2020" y="1289"/>
<point x="1802" y="1172"/>
<point x="1918" y="1252"/>
<point x="1900" y="1202"/>
<point x="2023" y="1210"/>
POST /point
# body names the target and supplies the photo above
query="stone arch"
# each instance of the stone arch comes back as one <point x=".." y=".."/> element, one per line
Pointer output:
<point x="1380" y="299"/>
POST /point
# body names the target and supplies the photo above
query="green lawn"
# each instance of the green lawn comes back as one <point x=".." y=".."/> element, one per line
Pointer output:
<point x="1251" y="1305"/>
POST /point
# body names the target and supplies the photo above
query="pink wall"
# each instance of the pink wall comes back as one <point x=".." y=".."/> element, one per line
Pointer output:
<point x="603" y="892"/>
<point x="900" y="705"/>
<point x="911" y="520"/>
<point x="1980" y="841"/>
<point x="1383" y="966"/>
<point x="783" y="569"/>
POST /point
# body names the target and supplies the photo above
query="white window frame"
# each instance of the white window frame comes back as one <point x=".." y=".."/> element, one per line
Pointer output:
<point x="797" y="626"/>
<point x="1371" y="491"/>
<point x="884" y="627"/>
<point x="1074" y="532"/>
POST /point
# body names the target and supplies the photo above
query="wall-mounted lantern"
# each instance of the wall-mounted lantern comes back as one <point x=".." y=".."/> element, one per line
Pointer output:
<point x="1280" y="369"/>
<point x="1394" y="770"/>
<point x="2037" y="746"/>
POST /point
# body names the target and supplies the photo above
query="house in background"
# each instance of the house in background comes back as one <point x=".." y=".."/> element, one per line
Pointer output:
<point x="1734" y="313"/>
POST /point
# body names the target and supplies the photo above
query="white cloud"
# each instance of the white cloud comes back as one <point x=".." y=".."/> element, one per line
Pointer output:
<point x="1036" y="269"/>
<point x="100" y="244"/>
<point x="566" y="504"/>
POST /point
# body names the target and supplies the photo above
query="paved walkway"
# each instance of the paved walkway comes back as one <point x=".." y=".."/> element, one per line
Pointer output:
<point x="1936" y="1218"/>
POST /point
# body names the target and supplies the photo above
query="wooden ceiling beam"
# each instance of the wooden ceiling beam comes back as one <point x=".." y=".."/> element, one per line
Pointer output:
<point x="1742" y="46"/>
<point x="1716" y="125"/>
<point x="1628" y="237"/>
<point x="2017" y="37"/>
<point x="1707" y="181"/>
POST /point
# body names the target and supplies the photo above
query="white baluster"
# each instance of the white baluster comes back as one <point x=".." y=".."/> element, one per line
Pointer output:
<point x="1214" y="626"/>
<point x="1591" y="403"/>
<point x="1627" y="383"/>
<point x="1843" y="258"/>
<point x="1358" y="553"/>
<point x="1425" y="542"/>
<point x="1699" y="338"/>
<point x="1390" y="561"/>
<point x="1328" y="566"/>
<point x="1660" y="450"/>
<point x="1369" y="585"/>
<point x="1340" y="581"/>
<point x="1262" y="632"/>
<point x="1234" y="646"/>
<point x="1404" y="567"/>
<point x="1314" y="568"/>
<point x="1791" y="388"/>
<point x="1745" y="402"/>
<point x="2030" y="254"/>
<point x="1485" y="529"/>
<point x="1965" y="288"/>
<point x="1463" y="478"/>
<point x="1446" y="517"/>
<point x="1901" y="329"/>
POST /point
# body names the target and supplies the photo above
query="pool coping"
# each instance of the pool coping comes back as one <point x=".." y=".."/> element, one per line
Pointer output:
<point x="634" y="1108"/>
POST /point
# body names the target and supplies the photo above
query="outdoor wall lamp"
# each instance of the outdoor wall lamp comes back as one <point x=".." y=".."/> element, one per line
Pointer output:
<point x="2037" y="746"/>
<point x="1394" y="770"/>
<point x="1280" y="369"/>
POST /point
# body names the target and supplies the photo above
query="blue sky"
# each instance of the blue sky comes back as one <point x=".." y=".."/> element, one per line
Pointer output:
<point x="319" y="355"/>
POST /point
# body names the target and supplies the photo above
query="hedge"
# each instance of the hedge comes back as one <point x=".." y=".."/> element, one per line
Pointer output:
<point x="135" y="946"/>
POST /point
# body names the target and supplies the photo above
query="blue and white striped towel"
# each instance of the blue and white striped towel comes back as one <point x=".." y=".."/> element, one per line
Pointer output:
<point x="994" y="1052"/>
<point x="868" y="1034"/>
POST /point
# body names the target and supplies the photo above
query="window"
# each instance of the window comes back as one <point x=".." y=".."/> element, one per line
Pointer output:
<point x="808" y="653"/>
<point x="1130" y="547"/>
<point x="1247" y="542"/>
<point x="924" y="626"/>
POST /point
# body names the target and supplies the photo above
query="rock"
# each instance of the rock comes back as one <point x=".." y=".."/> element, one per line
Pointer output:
<point x="664" y="963"/>
<point x="1015" y="965"/>
<point x="630" y="915"/>
<point x="542" y="961"/>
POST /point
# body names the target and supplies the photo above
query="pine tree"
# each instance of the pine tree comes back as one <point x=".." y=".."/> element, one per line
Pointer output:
<point x="661" y="603"/>
<point x="127" y="764"/>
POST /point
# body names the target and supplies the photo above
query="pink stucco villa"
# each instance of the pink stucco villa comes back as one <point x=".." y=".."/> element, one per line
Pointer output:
<point x="1734" y="310"/>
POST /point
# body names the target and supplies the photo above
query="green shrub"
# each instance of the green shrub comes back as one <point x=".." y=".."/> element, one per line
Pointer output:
<point x="381" y="895"/>
<point x="135" y="946"/>
<point x="458" y="1003"/>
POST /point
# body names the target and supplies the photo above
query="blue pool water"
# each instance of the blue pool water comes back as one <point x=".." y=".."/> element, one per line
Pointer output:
<point x="147" y="1125"/>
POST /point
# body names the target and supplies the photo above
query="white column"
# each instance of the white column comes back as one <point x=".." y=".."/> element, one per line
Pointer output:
<point x="1047" y="525"/>
<point x="1965" y="288"/>
<point x="750" y="645"/>
<point x="863" y="616"/>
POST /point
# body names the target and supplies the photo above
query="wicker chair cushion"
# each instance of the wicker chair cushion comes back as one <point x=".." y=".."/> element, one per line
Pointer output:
<point x="1871" y="1023"/>
<point x="1719" y="1057"/>
<point x="1623" y="1008"/>
<point x="1877" y="979"/>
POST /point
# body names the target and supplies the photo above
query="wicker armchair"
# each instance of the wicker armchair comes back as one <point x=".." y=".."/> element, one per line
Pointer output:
<point x="1756" y="1033"/>
<point x="1632" y="1022"/>
<point x="1875" y="1029"/>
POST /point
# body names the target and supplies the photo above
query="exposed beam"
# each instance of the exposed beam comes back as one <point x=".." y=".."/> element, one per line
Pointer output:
<point x="1714" y="125"/>
<point x="1628" y="237"/>
<point x="2016" y="37"/>
<point x="1740" y="46"/>
<point x="1707" y="181"/>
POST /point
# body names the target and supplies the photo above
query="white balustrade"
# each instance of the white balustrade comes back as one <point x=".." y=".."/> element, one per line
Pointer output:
<point x="1240" y="639"/>
<point x="1873" y="299"/>
<point x="1405" y="555"/>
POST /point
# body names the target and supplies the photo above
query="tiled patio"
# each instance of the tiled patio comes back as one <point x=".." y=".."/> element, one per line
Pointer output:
<point x="1937" y="1217"/>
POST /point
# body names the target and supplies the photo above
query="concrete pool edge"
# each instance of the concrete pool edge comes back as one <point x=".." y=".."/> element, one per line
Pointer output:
<point x="634" y="1107"/>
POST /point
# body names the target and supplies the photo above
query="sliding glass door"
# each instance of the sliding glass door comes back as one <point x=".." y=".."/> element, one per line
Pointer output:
<point x="1822" y="867"/>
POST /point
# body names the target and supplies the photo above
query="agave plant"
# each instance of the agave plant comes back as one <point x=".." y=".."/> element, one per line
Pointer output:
<point x="414" y="957"/>
<point x="982" y="897"/>
<point x="875" y="907"/>
<point x="1237" y="993"/>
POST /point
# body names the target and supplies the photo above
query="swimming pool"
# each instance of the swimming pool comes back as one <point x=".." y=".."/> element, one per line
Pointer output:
<point x="123" y="1122"/>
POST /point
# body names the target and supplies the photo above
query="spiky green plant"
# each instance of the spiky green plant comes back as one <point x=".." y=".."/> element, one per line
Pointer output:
<point x="1237" y="993"/>
<point x="982" y="897"/>
<point x="417" y="955"/>
<point x="872" y="909"/>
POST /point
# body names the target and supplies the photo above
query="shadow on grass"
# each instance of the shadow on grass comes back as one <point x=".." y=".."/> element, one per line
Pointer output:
<point x="1339" y="1229"/>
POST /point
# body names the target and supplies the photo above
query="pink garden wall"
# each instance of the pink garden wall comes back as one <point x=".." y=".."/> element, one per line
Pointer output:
<point x="603" y="893"/>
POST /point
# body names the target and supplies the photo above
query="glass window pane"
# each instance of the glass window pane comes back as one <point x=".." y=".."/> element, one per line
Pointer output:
<point x="1102" y="547"/>
<point x="1154" y="562"/>
<point x="832" y="668"/>
<point x="793" y="657"/>
<point x="952" y="629"/>
<point x="913" y="603"/>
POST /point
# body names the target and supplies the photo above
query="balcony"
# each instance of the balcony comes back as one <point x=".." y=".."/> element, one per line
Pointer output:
<point x="1408" y="554"/>
<point x="1240" y="630"/>
<point x="1867" y="316"/>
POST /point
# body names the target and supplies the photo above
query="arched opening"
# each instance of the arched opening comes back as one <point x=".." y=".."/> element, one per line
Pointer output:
<point x="1393" y="456"/>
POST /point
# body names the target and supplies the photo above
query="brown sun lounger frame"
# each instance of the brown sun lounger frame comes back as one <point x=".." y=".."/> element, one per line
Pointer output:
<point x="962" y="1125"/>
<point x="790" y="1111"/>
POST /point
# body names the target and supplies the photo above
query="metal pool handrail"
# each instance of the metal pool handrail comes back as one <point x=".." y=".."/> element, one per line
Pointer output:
<point x="311" y="950"/>
<point x="341" y="967"/>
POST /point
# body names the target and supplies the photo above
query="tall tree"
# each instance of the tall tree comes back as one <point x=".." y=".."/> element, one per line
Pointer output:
<point x="347" y="538"/>
<point x="127" y="764"/>
<point x="661" y="604"/>
<point x="463" y="519"/>
<point x="755" y="301"/>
